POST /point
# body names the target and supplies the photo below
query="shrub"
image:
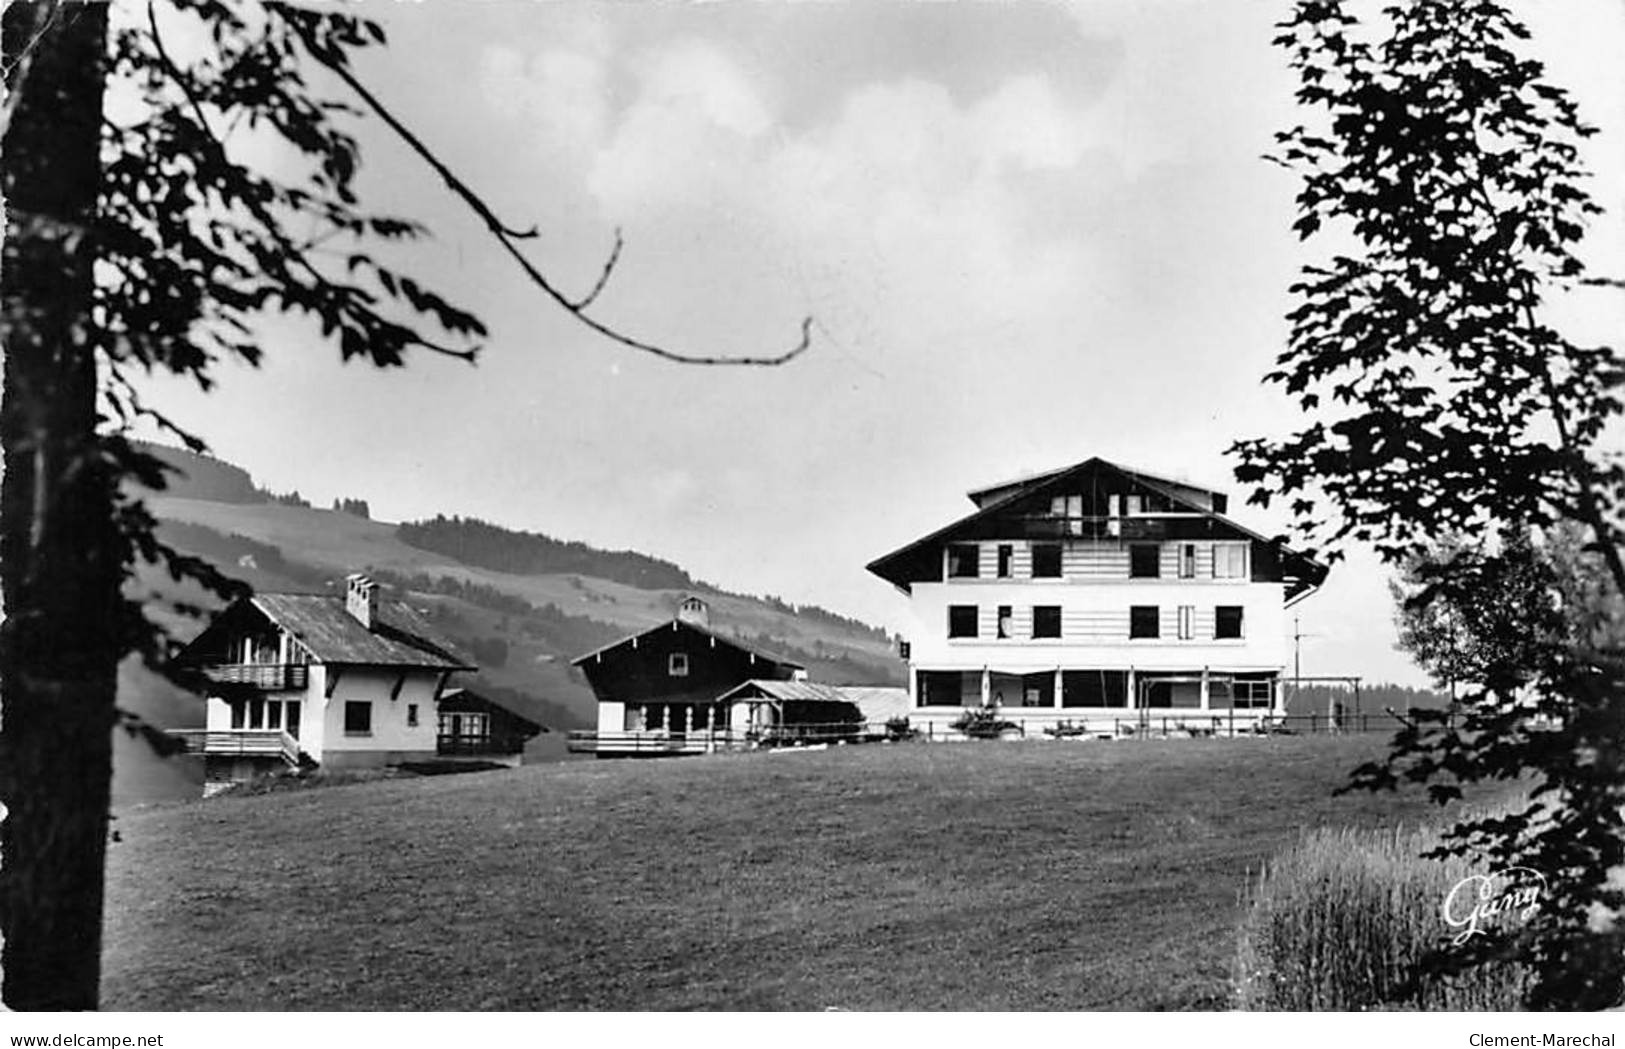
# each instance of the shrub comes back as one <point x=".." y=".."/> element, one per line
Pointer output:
<point x="982" y="723"/>
<point x="1340" y="921"/>
<point x="898" y="730"/>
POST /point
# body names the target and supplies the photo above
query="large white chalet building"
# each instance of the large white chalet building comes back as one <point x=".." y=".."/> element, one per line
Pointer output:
<point x="1101" y="596"/>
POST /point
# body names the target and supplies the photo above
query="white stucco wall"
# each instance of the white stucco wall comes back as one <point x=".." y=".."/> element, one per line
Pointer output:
<point x="391" y="739"/>
<point x="312" y="736"/>
<point x="1095" y="625"/>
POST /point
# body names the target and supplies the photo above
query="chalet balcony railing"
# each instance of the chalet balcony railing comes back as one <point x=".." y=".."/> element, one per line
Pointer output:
<point x="1133" y="526"/>
<point x="242" y="743"/>
<point x="271" y="677"/>
<point x="652" y="743"/>
<point x="476" y="746"/>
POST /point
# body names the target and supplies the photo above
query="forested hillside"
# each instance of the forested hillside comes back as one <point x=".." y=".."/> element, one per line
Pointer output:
<point x="485" y="545"/>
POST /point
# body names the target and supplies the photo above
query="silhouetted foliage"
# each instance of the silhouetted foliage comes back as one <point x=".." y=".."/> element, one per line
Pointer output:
<point x="137" y="242"/>
<point x="1446" y="172"/>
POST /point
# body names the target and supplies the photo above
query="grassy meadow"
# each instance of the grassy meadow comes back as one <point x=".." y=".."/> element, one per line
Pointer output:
<point x="1037" y="875"/>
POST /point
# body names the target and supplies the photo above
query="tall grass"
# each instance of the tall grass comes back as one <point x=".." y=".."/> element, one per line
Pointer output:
<point x="1339" y="922"/>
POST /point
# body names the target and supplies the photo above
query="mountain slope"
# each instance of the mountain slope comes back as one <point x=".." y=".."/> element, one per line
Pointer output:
<point x="524" y="625"/>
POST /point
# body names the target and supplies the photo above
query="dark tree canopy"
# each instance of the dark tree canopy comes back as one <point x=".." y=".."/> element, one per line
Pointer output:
<point x="1443" y="173"/>
<point x="143" y="239"/>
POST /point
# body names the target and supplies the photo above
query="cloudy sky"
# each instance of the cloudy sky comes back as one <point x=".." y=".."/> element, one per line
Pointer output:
<point x="1028" y="232"/>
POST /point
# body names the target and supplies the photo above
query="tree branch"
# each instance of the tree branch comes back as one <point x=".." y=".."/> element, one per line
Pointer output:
<point x="505" y="235"/>
<point x="256" y="207"/>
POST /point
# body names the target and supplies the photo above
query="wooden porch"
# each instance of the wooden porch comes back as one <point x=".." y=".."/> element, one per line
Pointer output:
<point x="242" y="743"/>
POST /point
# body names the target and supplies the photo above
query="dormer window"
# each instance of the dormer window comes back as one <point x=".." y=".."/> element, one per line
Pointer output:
<point x="1070" y="509"/>
<point x="677" y="664"/>
<point x="964" y="561"/>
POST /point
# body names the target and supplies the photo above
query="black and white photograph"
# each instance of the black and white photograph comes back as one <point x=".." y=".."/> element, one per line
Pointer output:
<point x="828" y="507"/>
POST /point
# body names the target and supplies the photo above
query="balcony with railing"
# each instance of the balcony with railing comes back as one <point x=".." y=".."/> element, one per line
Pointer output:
<point x="268" y="677"/>
<point x="450" y="746"/>
<point x="242" y="743"/>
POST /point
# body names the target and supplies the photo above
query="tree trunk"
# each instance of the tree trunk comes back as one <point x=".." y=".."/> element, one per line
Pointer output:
<point x="60" y="559"/>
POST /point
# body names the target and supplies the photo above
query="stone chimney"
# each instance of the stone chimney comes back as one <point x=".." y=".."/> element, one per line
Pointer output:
<point x="361" y="599"/>
<point x="693" y="611"/>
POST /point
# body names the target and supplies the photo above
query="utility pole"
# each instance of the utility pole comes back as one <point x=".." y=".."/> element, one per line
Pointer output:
<point x="1297" y="649"/>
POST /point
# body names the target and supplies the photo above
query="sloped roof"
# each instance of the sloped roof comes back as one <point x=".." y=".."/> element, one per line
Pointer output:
<point x="723" y="639"/>
<point x="459" y="700"/>
<point x="1183" y="491"/>
<point x="399" y="636"/>
<point x="878" y="703"/>
<point x="894" y="567"/>
<point x="802" y="691"/>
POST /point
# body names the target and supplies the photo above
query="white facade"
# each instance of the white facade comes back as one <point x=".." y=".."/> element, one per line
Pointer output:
<point x="1118" y="602"/>
<point x="1095" y="616"/>
<point x="306" y="678"/>
<point x="400" y="717"/>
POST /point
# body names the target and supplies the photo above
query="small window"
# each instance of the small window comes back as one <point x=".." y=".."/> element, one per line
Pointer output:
<point x="677" y="664"/>
<point x="961" y="620"/>
<point x="1230" y="561"/>
<point x="1006" y="621"/>
<point x="1046" y="621"/>
<point x="1142" y="621"/>
<point x="411" y="715"/>
<point x="1144" y="561"/>
<point x="1006" y="554"/>
<point x="1187" y="619"/>
<point x="357" y="718"/>
<point x="1227" y="621"/>
<point x="1046" y="560"/>
<point x="1187" y="560"/>
<point x="964" y="561"/>
<point x="1253" y="692"/>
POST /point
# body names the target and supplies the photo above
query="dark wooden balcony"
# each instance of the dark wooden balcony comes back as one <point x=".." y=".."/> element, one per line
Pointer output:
<point x="477" y="746"/>
<point x="268" y="677"/>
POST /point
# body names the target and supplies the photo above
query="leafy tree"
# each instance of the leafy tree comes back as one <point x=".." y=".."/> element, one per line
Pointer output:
<point x="1445" y="173"/>
<point x="142" y="241"/>
<point x="1468" y="635"/>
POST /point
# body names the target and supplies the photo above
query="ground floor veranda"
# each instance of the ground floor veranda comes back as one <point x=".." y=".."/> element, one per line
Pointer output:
<point x="1094" y="701"/>
<point x="1059" y="689"/>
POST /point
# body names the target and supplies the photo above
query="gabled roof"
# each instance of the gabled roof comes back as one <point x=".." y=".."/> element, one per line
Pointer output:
<point x="782" y="691"/>
<point x="685" y="624"/>
<point x="399" y="636"/>
<point x="901" y="566"/>
<point x="1183" y="491"/>
<point x="460" y="700"/>
<point x="877" y="703"/>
